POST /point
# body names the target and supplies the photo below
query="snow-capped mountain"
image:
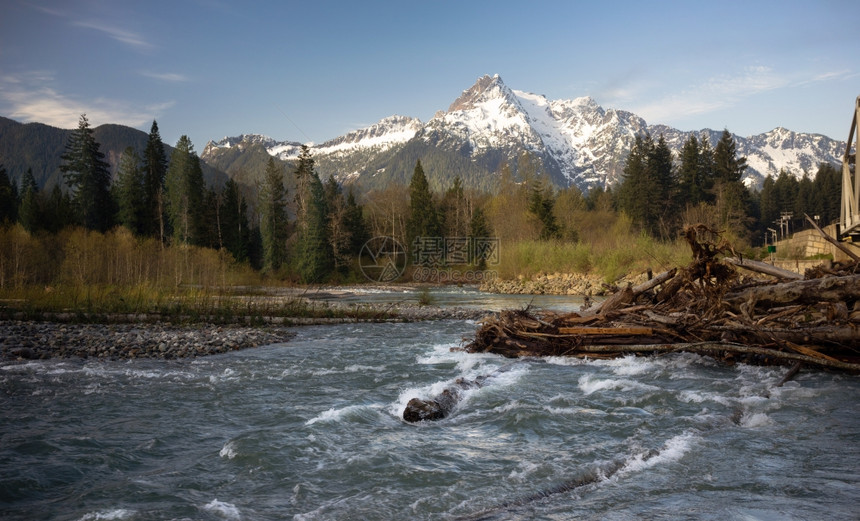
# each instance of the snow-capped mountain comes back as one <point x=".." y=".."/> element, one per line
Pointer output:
<point x="576" y="141"/>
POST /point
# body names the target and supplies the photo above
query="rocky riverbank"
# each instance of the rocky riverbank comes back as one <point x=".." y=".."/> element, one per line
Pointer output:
<point x="28" y="340"/>
<point x="583" y="284"/>
<point x="141" y="337"/>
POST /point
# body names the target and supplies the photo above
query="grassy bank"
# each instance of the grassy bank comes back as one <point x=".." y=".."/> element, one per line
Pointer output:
<point x="610" y="259"/>
<point x="89" y="275"/>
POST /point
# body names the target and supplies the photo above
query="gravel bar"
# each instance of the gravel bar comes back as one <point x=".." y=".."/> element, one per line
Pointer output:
<point x="29" y="340"/>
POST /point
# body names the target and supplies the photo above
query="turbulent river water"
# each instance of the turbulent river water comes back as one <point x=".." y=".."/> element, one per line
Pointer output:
<point x="312" y="429"/>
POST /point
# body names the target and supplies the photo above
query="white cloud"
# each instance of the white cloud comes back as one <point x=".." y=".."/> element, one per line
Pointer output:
<point x="110" y="29"/>
<point x="30" y="98"/>
<point x="716" y="93"/>
<point x="120" y="35"/>
<point x="171" y="77"/>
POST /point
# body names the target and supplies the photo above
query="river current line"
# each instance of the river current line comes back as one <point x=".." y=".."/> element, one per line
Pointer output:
<point x="603" y="473"/>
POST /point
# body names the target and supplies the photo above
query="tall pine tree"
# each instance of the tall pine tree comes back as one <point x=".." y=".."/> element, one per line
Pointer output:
<point x="8" y="198"/>
<point x="234" y="221"/>
<point x="129" y="193"/>
<point x="313" y="251"/>
<point x="154" y="171"/>
<point x="30" y="213"/>
<point x="423" y="220"/>
<point x="184" y="192"/>
<point x="87" y="174"/>
<point x="731" y="195"/>
<point x="273" y="217"/>
<point x="541" y="205"/>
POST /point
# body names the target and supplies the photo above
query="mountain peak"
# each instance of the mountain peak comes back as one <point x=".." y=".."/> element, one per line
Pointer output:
<point x="485" y="88"/>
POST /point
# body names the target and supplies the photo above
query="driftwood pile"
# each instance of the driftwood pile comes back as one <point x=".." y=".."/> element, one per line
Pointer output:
<point x="708" y="307"/>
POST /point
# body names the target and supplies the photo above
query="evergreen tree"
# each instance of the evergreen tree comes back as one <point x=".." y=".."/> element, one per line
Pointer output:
<point x="827" y="190"/>
<point x="273" y="217"/>
<point x="636" y="196"/>
<point x="88" y="176"/>
<point x="129" y="193"/>
<point x="769" y="206"/>
<point x="732" y="197"/>
<point x="234" y="221"/>
<point x="313" y="250"/>
<point x="315" y="258"/>
<point x="359" y="231"/>
<point x="154" y="172"/>
<point x="30" y="213"/>
<point x="454" y="211"/>
<point x="728" y="166"/>
<point x="479" y="229"/>
<point x="804" y="203"/>
<point x="706" y="167"/>
<point x="541" y="203"/>
<point x="304" y="172"/>
<point x="694" y="181"/>
<point x="339" y="234"/>
<point x="8" y="198"/>
<point x="423" y="220"/>
<point x="665" y="207"/>
<point x="56" y="211"/>
<point x="184" y="192"/>
<point x="212" y="237"/>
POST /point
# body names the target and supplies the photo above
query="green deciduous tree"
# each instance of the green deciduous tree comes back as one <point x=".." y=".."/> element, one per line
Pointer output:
<point x="88" y="176"/>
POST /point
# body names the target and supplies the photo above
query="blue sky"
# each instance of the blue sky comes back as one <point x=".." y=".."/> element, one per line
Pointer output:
<point x="314" y="70"/>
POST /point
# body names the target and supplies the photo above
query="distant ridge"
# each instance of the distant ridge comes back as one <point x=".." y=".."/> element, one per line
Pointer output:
<point x="577" y="142"/>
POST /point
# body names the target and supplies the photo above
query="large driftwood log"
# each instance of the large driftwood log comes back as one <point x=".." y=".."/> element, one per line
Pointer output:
<point x="717" y="348"/>
<point x="762" y="267"/>
<point x="809" y="291"/>
<point x="441" y="405"/>
<point x="628" y="294"/>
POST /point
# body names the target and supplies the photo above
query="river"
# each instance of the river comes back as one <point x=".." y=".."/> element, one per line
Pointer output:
<point x="312" y="430"/>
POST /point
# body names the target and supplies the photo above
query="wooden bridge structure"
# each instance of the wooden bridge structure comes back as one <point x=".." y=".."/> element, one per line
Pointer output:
<point x="849" y="221"/>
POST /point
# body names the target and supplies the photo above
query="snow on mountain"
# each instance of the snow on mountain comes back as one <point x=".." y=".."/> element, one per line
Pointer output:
<point x="389" y="132"/>
<point x="577" y="141"/>
<point x="797" y="153"/>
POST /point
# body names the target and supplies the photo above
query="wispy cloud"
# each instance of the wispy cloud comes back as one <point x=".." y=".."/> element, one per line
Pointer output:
<point x="715" y="93"/>
<point x="30" y="97"/>
<point x="843" y="74"/>
<point x="120" y="35"/>
<point x="109" y="29"/>
<point x="170" y="77"/>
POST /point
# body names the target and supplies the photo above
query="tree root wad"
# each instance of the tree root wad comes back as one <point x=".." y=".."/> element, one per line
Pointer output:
<point x="708" y="307"/>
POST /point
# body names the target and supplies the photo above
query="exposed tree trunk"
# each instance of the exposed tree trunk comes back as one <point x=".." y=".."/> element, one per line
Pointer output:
<point x="762" y="267"/>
